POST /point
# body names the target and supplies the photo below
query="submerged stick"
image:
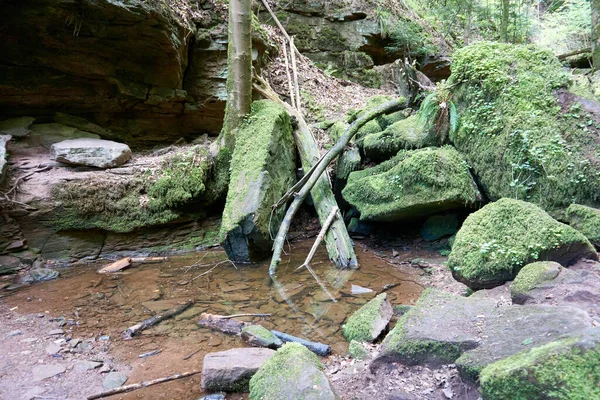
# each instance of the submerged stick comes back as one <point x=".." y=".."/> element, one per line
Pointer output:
<point x="137" y="328"/>
<point x="141" y="385"/>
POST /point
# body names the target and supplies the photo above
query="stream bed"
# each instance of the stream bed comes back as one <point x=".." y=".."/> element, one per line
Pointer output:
<point x="99" y="307"/>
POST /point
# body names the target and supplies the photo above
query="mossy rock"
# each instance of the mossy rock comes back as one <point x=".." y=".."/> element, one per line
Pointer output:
<point x="495" y="242"/>
<point x="531" y="276"/>
<point x="378" y="124"/>
<point x="367" y="323"/>
<point x="586" y="220"/>
<point x="405" y="134"/>
<point x="566" y="369"/>
<point x="522" y="132"/>
<point x="294" y="372"/>
<point x="357" y="350"/>
<point x="258" y="335"/>
<point x="412" y="184"/>
<point x="438" y="226"/>
<point x="337" y="130"/>
<point x="472" y="332"/>
<point x="262" y="170"/>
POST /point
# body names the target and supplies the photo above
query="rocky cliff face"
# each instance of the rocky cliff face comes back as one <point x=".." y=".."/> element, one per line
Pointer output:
<point x="131" y="66"/>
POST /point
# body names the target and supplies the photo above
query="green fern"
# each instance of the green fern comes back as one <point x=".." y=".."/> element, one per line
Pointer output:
<point x="439" y="113"/>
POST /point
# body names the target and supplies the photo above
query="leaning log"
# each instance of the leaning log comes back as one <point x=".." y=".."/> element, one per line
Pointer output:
<point x="338" y="242"/>
<point x="137" y="328"/>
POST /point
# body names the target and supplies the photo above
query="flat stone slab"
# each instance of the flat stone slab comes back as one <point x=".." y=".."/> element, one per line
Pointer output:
<point x="47" y="371"/>
<point x="473" y="332"/>
<point x="91" y="152"/>
<point x="114" y="380"/>
<point x="231" y="370"/>
<point x="82" y="366"/>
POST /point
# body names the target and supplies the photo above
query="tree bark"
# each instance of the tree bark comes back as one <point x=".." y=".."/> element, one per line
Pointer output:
<point x="239" y="64"/>
<point x="317" y="175"/>
<point x="595" y="4"/>
<point x="338" y="242"/>
<point x="504" y="21"/>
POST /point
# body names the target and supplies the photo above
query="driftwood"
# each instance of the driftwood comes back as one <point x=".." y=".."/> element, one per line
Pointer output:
<point x="338" y="242"/>
<point x="137" y="328"/>
<point x="321" y="165"/>
<point x="234" y="327"/>
<point x="141" y="385"/>
<point x="116" y="266"/>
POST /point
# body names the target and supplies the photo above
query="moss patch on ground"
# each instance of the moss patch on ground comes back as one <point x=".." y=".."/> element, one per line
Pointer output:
<point x="520" y="138"/>
<point x="586" y="220"/>
<point x="495" y="242"/>
<point x="413" y="183"/>
<point x="152" y="197"/>
<point x="566" y="369"/>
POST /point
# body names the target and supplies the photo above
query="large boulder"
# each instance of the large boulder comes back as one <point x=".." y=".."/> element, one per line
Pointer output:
<point x="495" y="242"/>
<point x="586" y="220"/>
<point x="412" y="184"/>
<point x="473" y="332"/>
<point x="91" y="152"/>
<point x="405" y="134"/>
<point x="292" y="373"/>
<point x="231" y="370"/>
<point x="16" y="127"/>
<point x="262" y="170"/>
<point x="521" y="130"/>
<point x="548" y="282"/>
<point x="563" y="369"/>
<point x="367" y="323"/>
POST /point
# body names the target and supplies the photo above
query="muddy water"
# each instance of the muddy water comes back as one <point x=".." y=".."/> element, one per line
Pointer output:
<point x="107" y="304"/>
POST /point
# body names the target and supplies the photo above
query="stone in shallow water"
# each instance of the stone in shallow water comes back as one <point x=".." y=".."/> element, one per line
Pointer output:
<point x="231" y="370"/>
<point x="91" y="152"/>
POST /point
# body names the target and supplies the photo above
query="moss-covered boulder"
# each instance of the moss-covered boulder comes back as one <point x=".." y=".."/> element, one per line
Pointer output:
<point x="292" y="373"/>
<point x="495" y="242"/>
<point x="412" y="184"/>
<point x="566" y="369"/>
<point x="407" y="134"/>
<point x="357" y="350"/>
<point x="473" y="332"/>
<point x="532" y="276"/>
<point x="522" y="132"/>
<point x="258" y="335"/>
<point x="367" y="323"/>
<point x="262" y="170"/>
<point x="586" y="220"/>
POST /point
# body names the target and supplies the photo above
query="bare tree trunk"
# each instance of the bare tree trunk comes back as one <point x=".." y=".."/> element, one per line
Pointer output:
<point x="596" y="33"/>
<point x="239" y="64"/>
<point x="504" y="21"/>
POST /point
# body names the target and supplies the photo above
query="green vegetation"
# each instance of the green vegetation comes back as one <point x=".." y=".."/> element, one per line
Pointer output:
<point x="532" y="275"/>
<point x="413" y="183"/>
<point x="495" y="242"/>
<point x="154" y="197"/>
<point x="407" y="36"/>
<point x="586" y="220"/>
<point x="360" y="324"/>
<point x="438" y="113"/>
<point x="566" y="369"/>
<point x="519" y="139"/>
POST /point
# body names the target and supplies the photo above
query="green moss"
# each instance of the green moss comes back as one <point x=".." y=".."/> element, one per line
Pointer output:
<point x="405" y="134"/>
<point x="151" y="198"/>
<point x="495" y="242"/>
<point x="560" y="370"/>
<point x="285" y="365"/>
<point x="520" y="140"/>
<point x="337" y="130"/>
<point x="357" y="350"/>
<point x="586" y="220"/>
<point x="413" y="183"/>
<point x="532" y="275"/>
<point x="360" y="324"/>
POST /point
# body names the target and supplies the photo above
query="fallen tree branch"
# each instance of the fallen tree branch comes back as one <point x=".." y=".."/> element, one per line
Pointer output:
<point x="574" y="53"/>
<point x="295" y="74"/>
<point x="320" y="237"/>
<point x="319" y="349"/>
<point x="391" y="106"/>
<point x="339" y="245"/>
<point x="141" y="385"/>
<point x="137" y="328"/>
<point x="289" y="77"/>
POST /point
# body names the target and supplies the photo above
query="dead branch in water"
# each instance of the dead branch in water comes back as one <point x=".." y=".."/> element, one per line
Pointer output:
<point x="137" y="328"/>
<point x="141" y="385"/>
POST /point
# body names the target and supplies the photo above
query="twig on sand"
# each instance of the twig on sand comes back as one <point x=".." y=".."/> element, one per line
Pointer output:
<point x="141" y="385"/>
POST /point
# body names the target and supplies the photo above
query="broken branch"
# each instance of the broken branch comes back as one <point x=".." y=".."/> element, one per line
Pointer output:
<point x="137" y="328"/>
